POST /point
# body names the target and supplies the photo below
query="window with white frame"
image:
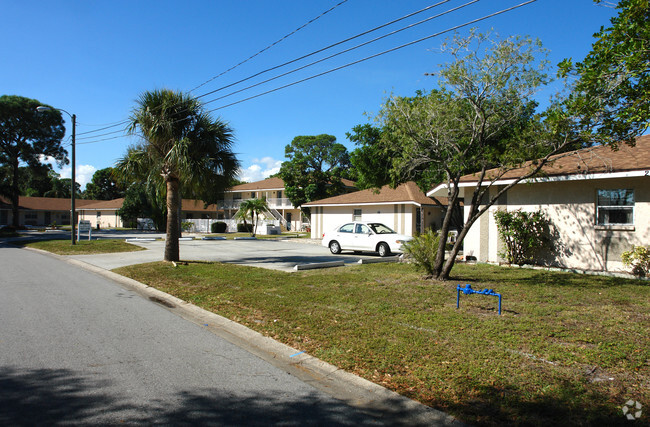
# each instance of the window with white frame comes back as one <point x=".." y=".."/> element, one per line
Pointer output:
<point x="615" y="207"/>
<point x="356" y="215"/>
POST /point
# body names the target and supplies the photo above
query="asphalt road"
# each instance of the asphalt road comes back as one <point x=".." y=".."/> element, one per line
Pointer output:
<point x="273" y="254"/>
<point x="77" y="348"/>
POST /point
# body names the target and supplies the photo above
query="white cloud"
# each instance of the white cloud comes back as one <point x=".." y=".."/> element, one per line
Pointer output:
<point x="260" y="169"/>
<point x="83" y="174"/>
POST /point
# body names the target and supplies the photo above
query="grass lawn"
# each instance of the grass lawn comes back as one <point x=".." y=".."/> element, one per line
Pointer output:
<point x="104" y="246"/>
<point x="568" y="350"/>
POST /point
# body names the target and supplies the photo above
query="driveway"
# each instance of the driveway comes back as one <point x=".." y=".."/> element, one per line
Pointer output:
<point x="273" y="254"/>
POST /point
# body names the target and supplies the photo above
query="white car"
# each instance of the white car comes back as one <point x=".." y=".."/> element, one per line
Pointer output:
<point x="364" y="236"/>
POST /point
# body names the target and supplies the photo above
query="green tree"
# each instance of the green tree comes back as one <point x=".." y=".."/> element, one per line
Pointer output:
<point x="612" y="93"/>
<point x="33" y="181"/>
<point x="315" y="168"/>
<point x="371" y="160"/>
<point x="143" y="201"/>
<point x="25" y="136"/>
<point x="104" y="186"/>
<point x="252" y="208"/>
<point x="60" y="188"/>
<point x="481" y="117"/>
<point x="183" y="149"/>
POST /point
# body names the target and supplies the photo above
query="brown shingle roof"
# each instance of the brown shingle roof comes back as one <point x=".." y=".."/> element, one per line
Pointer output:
<point x="405" y="193"/>
<point x="265" y="184"/>
<point x="600" y="159"/>
<point x="190" y="205"/>
<point x="104" y="204"/>
<point x="55" y="204"/>
<point x="44" y="203"/>
<point x="273" y="184"/>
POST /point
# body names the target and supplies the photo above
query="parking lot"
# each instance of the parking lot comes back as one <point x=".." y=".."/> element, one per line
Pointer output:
<point x="273" y="254"/>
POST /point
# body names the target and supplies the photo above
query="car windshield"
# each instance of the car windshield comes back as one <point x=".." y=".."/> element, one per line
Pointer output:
<point x="379" y="228"/>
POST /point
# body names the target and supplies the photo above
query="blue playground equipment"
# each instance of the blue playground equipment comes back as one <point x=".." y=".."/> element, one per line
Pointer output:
<point x="467" y="290"/>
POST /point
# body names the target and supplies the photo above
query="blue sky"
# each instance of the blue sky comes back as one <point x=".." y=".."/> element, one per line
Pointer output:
<point x="93" y="59"/>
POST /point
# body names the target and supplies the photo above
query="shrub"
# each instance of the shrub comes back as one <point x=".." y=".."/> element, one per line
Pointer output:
<point x="423" y="249"/>
<point x="525" y="234"/>
<point x="245" y="228"/>
<point x="186" y="226"/>
<point x="218" y="227"/>
<point x="639" y="259"/>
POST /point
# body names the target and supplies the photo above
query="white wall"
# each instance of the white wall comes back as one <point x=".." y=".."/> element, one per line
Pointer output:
<point x="571" y="208"/>
<point x="400" y="218"/>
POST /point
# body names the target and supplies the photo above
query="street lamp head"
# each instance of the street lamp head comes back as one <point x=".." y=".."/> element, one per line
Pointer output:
<point x="42" y="108"/>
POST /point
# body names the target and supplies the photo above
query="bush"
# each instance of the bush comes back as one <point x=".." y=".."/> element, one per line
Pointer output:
<point x="639" y="259"/>
<point x="423" y="250"/>
<point x="525" y="234"/>
<point x="244" y="228"/>
<point x="218" y="227"/>
<point x="187" y="226"/>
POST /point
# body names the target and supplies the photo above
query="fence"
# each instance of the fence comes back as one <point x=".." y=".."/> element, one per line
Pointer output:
<point x="205" y="225"/>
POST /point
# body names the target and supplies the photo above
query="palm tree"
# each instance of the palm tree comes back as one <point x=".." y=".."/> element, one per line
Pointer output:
<point x="252" y="207"/>
<point x="182" y="148"/>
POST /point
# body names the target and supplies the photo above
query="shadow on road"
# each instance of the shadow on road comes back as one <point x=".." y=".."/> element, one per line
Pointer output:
<point x="61" y="396"/>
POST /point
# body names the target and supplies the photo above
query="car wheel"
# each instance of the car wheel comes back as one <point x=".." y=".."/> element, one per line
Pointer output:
<point x="335" y="248"/>
<point x="383" y="249"/>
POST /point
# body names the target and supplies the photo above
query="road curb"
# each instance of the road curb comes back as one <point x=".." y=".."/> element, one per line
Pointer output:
<point x="315" y="265"/>
<point x="384" y="404"/>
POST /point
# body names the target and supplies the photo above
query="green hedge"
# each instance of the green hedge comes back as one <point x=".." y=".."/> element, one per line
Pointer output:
<point x="218" y="227"/>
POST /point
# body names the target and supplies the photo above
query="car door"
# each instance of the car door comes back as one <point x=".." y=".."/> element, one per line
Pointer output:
<point x="345" y="236"/>
<point x="362" y="240"/>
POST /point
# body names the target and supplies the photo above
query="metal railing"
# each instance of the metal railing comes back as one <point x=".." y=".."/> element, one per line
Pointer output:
<point x="275" y="203"/>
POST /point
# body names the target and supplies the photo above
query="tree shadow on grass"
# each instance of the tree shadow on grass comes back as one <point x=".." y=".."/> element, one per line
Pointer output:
<point x="60" y="396"/>
<point x="530" y="277"/>
<point x="496" y="406"/>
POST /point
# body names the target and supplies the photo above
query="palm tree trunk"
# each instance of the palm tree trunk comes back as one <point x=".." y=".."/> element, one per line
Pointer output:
<point x="173" y="228"/>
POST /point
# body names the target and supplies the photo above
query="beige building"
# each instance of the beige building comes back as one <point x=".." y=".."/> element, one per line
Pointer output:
<point x="47" y="211"/>
<point x="405" y="209"/>
<point x="280" y="207"/>
<point x="102" y="214"/>
<point x="598" y="202"/>
<point x="40" y="211"/>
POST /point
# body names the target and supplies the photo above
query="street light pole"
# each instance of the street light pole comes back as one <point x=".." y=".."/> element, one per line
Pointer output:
<point x="72" y="183"/>
<point x="73" y="188"/>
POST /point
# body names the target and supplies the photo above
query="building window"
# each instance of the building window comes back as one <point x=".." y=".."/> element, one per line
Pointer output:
<point x="253" y="195"/>
<point x="99" y="215"/>
<point x="356" y="215"/>
<point x="615" y="207"/>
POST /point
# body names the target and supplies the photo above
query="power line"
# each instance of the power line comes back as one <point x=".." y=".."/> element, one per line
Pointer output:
<point x="123" y="122"/>
<point x="375" y="55"/>
<point x="345" y="51"/>
<point x="100" y="140"/>
<point x="101" y="134"/>
<point x="326" y="48"/>
<point x="270" y="46"/>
